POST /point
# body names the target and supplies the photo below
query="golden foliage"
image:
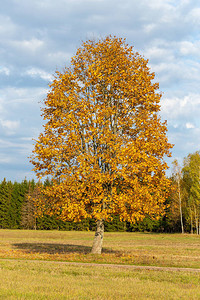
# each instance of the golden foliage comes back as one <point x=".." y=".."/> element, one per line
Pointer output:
<point x="103" y="141"/>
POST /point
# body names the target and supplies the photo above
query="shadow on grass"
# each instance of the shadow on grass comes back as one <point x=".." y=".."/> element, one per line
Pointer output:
<point x="56" y="248"/>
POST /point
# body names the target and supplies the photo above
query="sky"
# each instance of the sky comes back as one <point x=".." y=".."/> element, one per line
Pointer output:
<point x="38" y="37"/>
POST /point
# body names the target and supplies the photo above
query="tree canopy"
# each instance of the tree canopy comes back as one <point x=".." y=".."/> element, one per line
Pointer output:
<point x="104" y="144"/>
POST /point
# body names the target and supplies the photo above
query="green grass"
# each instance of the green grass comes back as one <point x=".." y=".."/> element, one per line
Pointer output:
<point x="31" y="266"/>
<point x="47" y="280"/>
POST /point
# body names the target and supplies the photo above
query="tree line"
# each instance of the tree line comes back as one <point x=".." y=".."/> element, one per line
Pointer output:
<point x="182" y="212"/>
<point x="18" y="211"/>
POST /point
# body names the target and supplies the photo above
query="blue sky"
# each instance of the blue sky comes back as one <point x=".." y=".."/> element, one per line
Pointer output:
<point x="39" y="37"/>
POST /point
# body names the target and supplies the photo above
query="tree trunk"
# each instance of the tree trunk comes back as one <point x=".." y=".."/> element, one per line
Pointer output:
<point x="199" y="226"/>
<point x="196" y="220"/>
<point x="98" y="238"/>
<point x="191" y="221"/>
<point x="180" y="205"/>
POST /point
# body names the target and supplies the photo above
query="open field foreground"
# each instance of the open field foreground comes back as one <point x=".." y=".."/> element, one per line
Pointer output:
<point x="46" y="280"/>
<point x="23" y="276"/>
<point x="167" y="250"/>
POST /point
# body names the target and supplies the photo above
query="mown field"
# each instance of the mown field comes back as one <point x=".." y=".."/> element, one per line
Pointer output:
<point x="32" y="266"/>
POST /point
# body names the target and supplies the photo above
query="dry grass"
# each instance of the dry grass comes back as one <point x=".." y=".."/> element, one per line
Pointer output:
<point x="171" y="250"/>
<point x="31" y="279"/>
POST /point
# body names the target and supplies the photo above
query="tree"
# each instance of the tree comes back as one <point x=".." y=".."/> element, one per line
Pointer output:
<point x="103" y="142"/>
<point x="5" y="204"/>
<point x="178" y="191"/>
<point x="29" y="206"/>
<point x="191" y="179"/>
<point x="18" y="195"/>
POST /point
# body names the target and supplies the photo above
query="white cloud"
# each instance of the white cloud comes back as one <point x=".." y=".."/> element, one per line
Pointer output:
<point x="189" y="125"/>
<point x="10" y="126"/>
<point x="15" y="96"/>
<point x="35" y="72"/>
<point x="7" y="27"/>
<point x="181" y="107"/>
<point x="5" y="159"/>
<point x="149" y="27"/>
<point x="31" y="45"/>
<point x="27" y="139"/>
<point x="190" y="48"/>
<point x="5" y="70"/>
<point x="59" y="56"/>
<point x="194" y="15"/>
<point x="159" y="53"/>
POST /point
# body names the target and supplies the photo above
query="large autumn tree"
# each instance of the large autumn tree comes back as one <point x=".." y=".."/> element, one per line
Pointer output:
<point x="103" y="142"/>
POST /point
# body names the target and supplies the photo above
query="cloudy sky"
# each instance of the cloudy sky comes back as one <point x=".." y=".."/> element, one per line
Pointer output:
<point x="39" y="37"/>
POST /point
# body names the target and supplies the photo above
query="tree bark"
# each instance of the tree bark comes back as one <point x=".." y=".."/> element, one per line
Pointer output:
<point x="180" y="205"/>
<point x="191" y="221"/>
<point x="196" y="220"/>
<point x="199" y="226"/>
<point x="98" y="238"/>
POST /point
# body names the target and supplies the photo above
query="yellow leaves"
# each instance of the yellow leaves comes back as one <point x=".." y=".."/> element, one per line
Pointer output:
<point x="103" y="140"/>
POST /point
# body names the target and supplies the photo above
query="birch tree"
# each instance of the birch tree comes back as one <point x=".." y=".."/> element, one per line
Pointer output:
<point x="191" y="177"/>
<point x="178" y="178"/>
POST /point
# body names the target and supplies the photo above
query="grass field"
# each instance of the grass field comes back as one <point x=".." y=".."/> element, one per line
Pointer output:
<point x="32" y="266"/>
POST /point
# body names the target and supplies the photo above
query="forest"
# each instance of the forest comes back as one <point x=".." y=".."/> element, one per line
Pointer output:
<point x="182" y="207"/>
